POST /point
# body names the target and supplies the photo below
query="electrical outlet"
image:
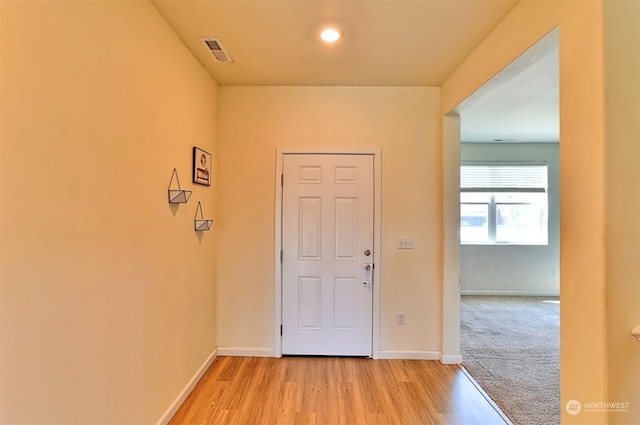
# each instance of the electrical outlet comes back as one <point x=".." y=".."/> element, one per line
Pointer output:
<point x="405" y="243"/>
<point x="400" y="318"/>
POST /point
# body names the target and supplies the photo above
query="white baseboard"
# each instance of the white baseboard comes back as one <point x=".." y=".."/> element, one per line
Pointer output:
<point x="410" y="355"/>
<point x="450" y="358"/>
<point x="182" y="396"/>
<point x="509" y="293"/>
<point x="246" y="352"/>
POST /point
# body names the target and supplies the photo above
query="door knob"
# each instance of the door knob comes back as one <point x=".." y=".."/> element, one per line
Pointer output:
<point x="367" y="252"/>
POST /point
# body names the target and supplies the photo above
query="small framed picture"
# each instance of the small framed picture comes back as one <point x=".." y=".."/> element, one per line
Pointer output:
<point x="202" y="166"/>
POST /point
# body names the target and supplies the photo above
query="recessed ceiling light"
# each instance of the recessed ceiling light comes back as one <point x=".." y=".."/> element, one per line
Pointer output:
<point x="330" y="35"/>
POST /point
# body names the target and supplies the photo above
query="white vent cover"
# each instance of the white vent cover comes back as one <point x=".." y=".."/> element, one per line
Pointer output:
<point x="215" y="46"/>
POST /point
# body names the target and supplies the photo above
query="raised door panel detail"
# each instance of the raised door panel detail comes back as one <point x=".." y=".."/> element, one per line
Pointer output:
<point x="310" y="175"/>
<point x="345" y="304"/>
<point x="309" y="303"/>
<point x="309" y="233"/>
<point x="346" y="175"/>
<point x="346" y="228"/>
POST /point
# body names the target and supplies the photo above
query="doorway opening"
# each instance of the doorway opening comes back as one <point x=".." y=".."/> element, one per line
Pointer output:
<point x="510" y="235"/>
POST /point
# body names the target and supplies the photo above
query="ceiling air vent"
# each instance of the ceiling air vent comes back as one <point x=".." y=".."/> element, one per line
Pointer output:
<point x="217" y="49"/>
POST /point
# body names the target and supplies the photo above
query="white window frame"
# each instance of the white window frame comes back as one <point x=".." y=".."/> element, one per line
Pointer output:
<point x="490" y="183"/>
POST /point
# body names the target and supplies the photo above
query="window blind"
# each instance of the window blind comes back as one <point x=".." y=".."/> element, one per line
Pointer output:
<point x="503" y="178"/>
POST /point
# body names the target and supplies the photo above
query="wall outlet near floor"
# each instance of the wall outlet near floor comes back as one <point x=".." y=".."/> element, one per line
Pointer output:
<point x="405" y="243"/>
<point x="400" y="318"/>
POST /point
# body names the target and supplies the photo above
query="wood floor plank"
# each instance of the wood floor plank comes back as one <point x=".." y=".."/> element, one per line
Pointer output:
<point x="333" y="391"/>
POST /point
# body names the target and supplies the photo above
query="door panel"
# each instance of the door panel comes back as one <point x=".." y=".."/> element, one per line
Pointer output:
<point x="309" y="231"/>
<point x="345" y="302"/>
<point x="309" y="303"/>
<point x="346" y="228"/>
<point x="327" y="225"/>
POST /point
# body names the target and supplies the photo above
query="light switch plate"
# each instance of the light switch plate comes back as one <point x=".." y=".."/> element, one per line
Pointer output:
<point x="405" y="243"/>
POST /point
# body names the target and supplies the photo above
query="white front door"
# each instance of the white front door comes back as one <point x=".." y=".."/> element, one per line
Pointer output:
<point x="327" y="242"/>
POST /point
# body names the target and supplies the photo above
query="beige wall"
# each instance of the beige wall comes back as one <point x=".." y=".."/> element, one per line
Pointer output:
<point x="622" y="54"/>
<point x="402" y="122"/>
<point x="582" y="178"/>
<point x="108" y="294"/>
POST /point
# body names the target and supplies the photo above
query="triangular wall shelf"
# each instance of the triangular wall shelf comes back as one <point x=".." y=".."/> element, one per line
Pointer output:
<point x="177" y="196"/>
<point x="201" y="224"/>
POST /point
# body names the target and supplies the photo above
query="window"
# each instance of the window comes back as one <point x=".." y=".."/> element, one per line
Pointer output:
<point x="503" y="203"/>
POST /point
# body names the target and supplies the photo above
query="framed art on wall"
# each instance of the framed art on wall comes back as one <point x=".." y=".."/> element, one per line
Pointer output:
<point x="202" y="166"/>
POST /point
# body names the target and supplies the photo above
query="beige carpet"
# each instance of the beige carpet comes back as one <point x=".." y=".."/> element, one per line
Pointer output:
<point x="510" y="345"/>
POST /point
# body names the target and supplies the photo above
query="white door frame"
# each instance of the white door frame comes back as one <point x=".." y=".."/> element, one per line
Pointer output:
<point x="377" y="208"/>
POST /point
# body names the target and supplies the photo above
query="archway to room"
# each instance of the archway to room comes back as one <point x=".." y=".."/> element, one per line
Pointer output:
<point x="509" y="235"/>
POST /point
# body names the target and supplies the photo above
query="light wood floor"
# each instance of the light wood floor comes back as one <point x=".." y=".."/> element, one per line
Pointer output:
<point x="331" y="391"/>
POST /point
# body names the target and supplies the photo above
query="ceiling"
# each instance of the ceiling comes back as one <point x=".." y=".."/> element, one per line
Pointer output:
<point x="384" y="43"/>
<point x="521" y="103"/>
